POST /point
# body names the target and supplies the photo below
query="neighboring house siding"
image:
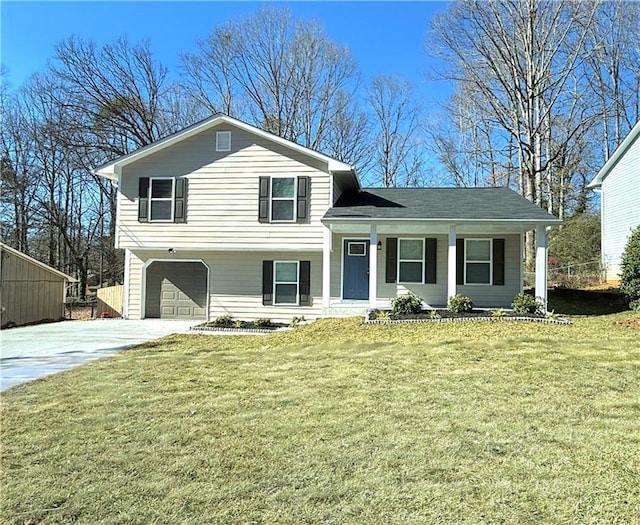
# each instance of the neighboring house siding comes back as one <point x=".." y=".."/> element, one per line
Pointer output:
<point x="235" y="283"/>
<point x="29" y="293"/>
<point x="222" y="196"/>
<point x="620" y="208"/>
<point x="436" y="294"/>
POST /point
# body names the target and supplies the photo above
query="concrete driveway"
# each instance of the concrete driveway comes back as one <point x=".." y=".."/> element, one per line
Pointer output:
<point x="30" y="352"/>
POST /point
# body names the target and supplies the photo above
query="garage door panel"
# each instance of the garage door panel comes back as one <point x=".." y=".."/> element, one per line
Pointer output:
<point x="176" y="290"/>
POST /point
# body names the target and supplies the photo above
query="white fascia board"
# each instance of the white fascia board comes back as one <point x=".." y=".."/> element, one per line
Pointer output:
<point x="619" y="152"/>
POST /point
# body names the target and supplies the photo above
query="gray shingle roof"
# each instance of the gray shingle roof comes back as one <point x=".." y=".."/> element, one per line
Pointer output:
<point x="455" y="204"/>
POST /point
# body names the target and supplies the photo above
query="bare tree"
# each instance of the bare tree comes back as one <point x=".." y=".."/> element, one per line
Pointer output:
<point x="279" y="73"/>
<point x="398" y="152"/>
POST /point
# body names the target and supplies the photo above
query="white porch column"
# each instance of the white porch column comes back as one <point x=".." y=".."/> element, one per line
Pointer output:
<point x="541" y="265"/>
<point x="451" y="262"/>
<point x="373" y="266"/>
<point x="326" y="267"/>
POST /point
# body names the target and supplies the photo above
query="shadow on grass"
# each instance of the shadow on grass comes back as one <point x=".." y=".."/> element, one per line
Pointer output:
<point x="570" y="301"/>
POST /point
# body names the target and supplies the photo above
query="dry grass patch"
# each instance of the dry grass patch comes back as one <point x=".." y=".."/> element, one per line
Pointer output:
<point x="337" y="422"/>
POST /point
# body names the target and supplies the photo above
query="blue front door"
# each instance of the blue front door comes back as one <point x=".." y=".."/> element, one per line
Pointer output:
<point x="355" y="279"/>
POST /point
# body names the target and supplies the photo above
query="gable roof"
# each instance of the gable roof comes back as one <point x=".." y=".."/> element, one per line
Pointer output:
<point x="35" y="262"/>
<point x="108" y="170"/>
<point x="617" y="154"/>
<point x="438" y="204"/>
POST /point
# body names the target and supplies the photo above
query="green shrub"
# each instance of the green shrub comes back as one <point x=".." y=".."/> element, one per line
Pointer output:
<point x="524" y="304"/>
<point x="406" y="304"/>
<point x="630" y="264"/>
<point x="459" y="304"/>
<point x="223" y="320"/>
<point x="498" y="313"/>
<point x="433" y="314"/>
<point x="635" y="305"/>
<point x="238" y="324"/>
<point x="262" y="322"/>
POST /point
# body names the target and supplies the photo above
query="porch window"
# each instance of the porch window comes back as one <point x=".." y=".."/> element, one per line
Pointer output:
<point x="283" y="198"/>
<point x="161" y="199"/>
<point x="285" y="282"/>
<point x="477" y="265"/>
<point x="411" y="260"/>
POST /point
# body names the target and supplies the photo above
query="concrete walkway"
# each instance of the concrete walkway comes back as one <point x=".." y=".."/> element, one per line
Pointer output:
<point x="30" y="352"/>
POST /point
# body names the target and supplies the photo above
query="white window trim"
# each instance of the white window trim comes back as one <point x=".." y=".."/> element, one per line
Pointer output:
<point x="297" y="283"/>
<point x="422" y="261"/>
<point x="363" y="254"/>
<point x="162" y="199"/>
<point x="490" y="261"/>
<point x="220" y="142"/>
<point x="294" y="199"/>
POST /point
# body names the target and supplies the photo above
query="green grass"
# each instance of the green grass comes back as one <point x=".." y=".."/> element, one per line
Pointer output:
<point x="337" y="422"/>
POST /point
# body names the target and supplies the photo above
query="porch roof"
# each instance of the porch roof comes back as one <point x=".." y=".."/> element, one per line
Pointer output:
<point x="452" y="205"/>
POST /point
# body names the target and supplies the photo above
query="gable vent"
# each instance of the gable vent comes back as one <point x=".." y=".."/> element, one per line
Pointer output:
<point x="223" y="141"/>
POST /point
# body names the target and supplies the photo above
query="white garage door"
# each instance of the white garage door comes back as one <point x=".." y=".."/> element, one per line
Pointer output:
<point x="176" y="290"/>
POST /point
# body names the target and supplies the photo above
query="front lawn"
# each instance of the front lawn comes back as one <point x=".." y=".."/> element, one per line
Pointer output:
<point x="337" y="422"/>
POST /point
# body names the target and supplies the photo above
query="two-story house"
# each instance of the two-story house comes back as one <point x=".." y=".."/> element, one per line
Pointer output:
<point x="619" y="185"/>
<point x="223" y="218"/>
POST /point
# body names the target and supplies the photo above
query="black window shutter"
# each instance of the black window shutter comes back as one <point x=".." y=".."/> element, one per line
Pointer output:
<point x="459" y="261"/>
<point x="305" y="283"/>
<point x="143" y="199"/>
<point x="498" y="262"/>
<point x="267" y="282"/>
<point x="304" y="192"/>
<point x="263" y="199"/>
<point x="392" y="260"/>
<point x="430" y="248"/>
<point x="180" y="200"/>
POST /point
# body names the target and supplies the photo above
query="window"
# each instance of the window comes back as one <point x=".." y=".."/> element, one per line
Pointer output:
<point x="477" y="264"/>
<point x="285" y="282"/>
<point x="410" y="260"/>
<point x="283" y="198"/>
<point x="223" y="141"/>
<point x="161" y="200"/>
<point x="357" y="249"/>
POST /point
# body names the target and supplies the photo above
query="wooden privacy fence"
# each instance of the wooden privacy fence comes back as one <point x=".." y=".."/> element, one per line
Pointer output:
<point x="109" y="301"/>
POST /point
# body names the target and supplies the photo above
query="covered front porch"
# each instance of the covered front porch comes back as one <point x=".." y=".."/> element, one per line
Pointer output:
<point x="368" y="263"/>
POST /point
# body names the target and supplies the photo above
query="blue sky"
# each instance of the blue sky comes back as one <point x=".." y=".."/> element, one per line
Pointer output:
<point x="384" y="37"/>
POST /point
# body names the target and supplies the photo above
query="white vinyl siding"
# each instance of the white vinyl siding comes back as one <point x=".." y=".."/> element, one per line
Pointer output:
<point x="436" y="294"/>
<point x="235" y="283"/>
<point x="620" y="208"/>
<point x="222" y="197"/>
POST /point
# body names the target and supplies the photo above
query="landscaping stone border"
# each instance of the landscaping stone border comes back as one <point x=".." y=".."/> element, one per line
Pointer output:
<point x="542" y="320"/>
<point x="237" y="331"/>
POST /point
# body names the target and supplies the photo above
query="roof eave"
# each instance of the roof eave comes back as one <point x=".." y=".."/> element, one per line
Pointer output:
<point x="613" y="160"/>
<point x="552" y="221"/>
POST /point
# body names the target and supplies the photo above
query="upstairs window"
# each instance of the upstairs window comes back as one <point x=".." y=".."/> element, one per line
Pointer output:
<point x="283" y="197"/>
<point x="223" y="141"/>
<point x="161" y="199"/>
